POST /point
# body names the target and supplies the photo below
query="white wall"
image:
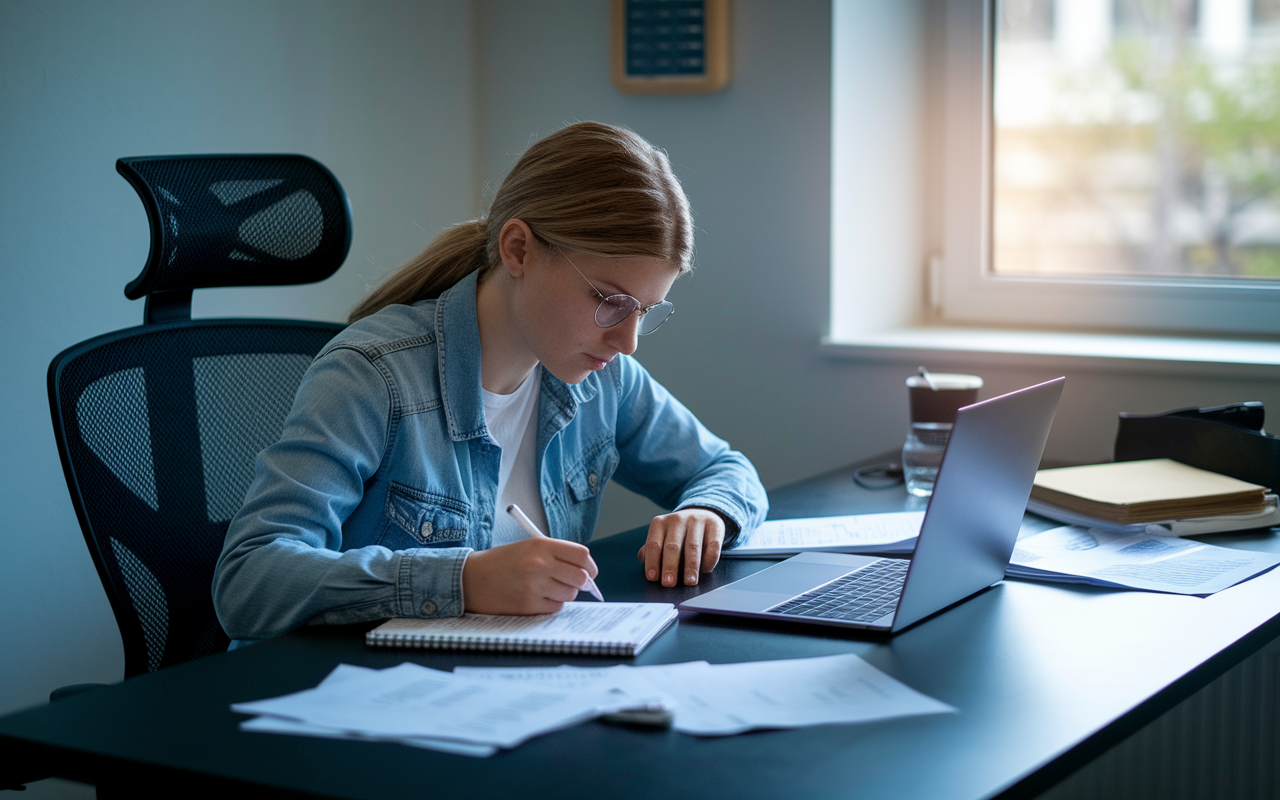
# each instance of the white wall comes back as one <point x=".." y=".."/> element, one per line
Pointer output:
<point x="877" y="206"/>
<point x="379" y="91"/>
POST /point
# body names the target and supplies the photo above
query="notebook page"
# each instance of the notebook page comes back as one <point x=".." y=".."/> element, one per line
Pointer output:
<point x="576" y="622"/>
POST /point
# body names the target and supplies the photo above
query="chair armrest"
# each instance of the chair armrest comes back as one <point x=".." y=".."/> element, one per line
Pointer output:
<point x="63" y="692"/>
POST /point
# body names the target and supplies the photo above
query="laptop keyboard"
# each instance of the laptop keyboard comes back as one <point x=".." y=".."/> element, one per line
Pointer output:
<point x="865" y="595"/>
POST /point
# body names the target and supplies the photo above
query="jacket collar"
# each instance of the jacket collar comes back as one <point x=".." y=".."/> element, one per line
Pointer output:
<point x="458" y="361"/>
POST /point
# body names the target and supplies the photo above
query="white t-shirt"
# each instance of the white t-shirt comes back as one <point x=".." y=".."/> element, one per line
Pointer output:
<point x="512" y="420"/>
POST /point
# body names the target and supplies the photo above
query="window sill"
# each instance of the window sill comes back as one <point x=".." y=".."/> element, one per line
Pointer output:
<point x="943" y="347"/>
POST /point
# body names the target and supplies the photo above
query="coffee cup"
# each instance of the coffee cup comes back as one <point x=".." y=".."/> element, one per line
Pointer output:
<point x="935" y="399"/>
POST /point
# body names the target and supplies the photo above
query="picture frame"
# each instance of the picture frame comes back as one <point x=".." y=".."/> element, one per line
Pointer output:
<point x="670" y="46"/>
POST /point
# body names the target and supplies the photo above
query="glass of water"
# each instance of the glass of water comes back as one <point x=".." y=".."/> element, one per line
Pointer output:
<point x="922" y="455"/>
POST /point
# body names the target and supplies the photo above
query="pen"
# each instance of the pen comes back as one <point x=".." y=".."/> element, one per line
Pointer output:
<point x="532" y="530"/>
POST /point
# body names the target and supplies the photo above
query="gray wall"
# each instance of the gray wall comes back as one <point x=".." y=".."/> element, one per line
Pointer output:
<point x="415" y="106"/>
<point x="381" y="92"/>
<point x="742" y="350"/>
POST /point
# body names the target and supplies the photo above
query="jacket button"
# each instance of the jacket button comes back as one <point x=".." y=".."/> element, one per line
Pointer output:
<point x="427" y="529"/>
<point x="428" y="608"/>
<point x="592" y="480"/>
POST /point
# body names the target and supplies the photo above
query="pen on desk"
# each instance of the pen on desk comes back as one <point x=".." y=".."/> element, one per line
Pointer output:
<point x="531" y="529"/>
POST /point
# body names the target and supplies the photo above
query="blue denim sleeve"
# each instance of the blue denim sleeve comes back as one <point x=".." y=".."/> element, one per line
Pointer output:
<point x="667" y="455"/>
<point x="282" y="564"/>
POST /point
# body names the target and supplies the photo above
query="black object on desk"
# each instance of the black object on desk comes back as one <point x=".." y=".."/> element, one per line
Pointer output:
<point x="879" y="476"/>
<point x="1224" y="439"/>
<point x="1031" y="668"/>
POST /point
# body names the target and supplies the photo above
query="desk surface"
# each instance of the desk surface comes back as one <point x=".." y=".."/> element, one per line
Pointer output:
<point x="1045" y="677"/>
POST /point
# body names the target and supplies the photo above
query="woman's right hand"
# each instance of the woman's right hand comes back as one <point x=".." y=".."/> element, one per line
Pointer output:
<point x="531" y="576"/>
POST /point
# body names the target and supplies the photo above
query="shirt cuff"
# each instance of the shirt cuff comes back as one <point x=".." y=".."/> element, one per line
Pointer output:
<point x="429" y="581"/>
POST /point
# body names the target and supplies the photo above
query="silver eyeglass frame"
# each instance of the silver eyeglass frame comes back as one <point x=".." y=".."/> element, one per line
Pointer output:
<point x="644" y="310"/>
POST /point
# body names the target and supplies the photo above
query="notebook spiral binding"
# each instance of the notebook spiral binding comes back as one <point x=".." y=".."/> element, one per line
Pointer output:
<point x="497" y="644"/>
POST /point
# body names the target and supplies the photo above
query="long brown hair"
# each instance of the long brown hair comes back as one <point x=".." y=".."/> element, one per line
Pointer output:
<point x="591" y="187"/>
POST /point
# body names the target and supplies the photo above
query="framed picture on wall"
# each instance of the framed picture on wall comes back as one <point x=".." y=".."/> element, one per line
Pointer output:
<point x="670" y="46"/>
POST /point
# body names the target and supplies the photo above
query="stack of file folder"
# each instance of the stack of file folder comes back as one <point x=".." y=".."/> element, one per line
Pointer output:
<point x="1131" y="495"/>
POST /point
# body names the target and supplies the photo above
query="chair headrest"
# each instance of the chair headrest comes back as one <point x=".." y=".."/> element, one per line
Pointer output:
<point x="237" y="220"/>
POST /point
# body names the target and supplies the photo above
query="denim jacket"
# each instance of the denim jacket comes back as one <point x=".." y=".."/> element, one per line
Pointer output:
<point x="384" y="477"/>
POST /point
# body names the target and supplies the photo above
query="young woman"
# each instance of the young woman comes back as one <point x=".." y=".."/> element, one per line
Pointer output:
<point x="495" y="368"/>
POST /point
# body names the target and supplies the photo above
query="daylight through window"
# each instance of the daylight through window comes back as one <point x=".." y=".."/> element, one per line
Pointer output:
<point x="1136" y="138"/>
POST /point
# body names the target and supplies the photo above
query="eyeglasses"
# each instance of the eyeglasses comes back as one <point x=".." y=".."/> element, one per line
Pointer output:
<point x="617" y="307"/>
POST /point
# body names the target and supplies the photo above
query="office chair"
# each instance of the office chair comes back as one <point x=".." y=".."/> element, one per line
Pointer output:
<point x="158" y="425"/>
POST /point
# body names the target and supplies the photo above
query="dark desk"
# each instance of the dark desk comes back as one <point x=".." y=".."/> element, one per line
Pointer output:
<point x="1045" y="677"/>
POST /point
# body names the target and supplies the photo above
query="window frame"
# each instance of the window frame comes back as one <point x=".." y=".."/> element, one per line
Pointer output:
<point x="964" y="288"/>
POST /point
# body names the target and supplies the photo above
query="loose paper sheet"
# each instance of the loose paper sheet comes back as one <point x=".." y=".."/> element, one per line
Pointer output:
<point x="724" y="699"/>
<point x="475" y="711"/>
<point x="1135" y="560"/>
<point x="416" y="701"/>
<point x="893" y="532"/>
<point x="265" y="724"/>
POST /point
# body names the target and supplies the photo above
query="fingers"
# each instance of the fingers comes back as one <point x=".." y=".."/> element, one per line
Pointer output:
<point x="711" y="550"/>
<point x="571" y="576"/>
<point x="570" y="566"/>
<point x="702" y="546"/>
<point x="663" y="548"/>
<point x="564" y="588"/>
<point x="693" y="550"/>
<point x="572" y="553"/>
<point x="533" y="576"/>
<point x="682" y="544"/>
<point x="672" y="549"/>
<point x="652" y="550"/>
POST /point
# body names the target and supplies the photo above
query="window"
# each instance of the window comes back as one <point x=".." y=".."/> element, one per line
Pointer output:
<point x="1111" y="164"/>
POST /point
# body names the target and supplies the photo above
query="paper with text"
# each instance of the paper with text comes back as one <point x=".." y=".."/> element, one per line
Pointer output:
<point x="725" y="699"/>
<point x="412" y="700"/>
<point x="892" y="532"/>
<point x="475" y="710"/>
<point x="265" y="724"/>
<point x="1135" y="560"/>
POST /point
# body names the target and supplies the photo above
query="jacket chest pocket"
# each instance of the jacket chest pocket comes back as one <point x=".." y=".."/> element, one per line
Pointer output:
<point x="587" y="478"/>
<point x="431" y="520"/>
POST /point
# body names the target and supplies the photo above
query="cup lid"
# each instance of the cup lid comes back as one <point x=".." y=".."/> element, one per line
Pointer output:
<point x="946" y="380"/>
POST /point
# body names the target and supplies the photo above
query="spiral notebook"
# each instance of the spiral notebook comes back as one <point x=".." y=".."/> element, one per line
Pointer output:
<point x="580" y="628"/>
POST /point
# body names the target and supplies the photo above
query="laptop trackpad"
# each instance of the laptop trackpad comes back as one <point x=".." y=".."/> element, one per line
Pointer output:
<point x="793" y="577"/>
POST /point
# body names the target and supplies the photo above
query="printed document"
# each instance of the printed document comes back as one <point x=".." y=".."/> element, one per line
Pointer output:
<point x="1157" y="563"/>
<point x="891" y="533"/>
<point x="475" y="711"/>
<point x="724" y="699"/>
<point x="415" y="701"/>
<point x="267" y="724"/>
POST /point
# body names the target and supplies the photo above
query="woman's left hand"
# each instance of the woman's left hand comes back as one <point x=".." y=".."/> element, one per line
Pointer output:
<point x="692" y="536"/>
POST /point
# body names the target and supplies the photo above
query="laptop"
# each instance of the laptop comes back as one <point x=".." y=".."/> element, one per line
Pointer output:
<point x="968" y="534"/>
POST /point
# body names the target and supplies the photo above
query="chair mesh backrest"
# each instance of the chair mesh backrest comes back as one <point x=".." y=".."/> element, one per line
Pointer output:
<point x="238" y="220"/>
<point x="158" y="427"/>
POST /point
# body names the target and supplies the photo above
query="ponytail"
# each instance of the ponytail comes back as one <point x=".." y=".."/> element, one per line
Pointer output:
<point x="449" y="258"/>
<point x="591" y="187"/>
